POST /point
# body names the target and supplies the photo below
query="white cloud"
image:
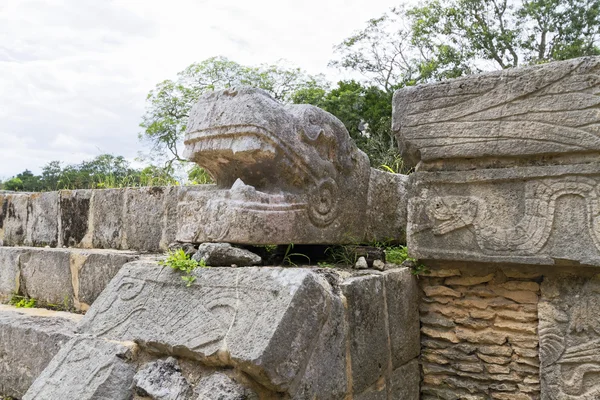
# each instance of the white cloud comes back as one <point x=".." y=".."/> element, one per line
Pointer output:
<point x="74" y="74"/>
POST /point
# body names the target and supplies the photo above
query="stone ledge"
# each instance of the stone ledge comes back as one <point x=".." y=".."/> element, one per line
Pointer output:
<point x="71" y="278"/>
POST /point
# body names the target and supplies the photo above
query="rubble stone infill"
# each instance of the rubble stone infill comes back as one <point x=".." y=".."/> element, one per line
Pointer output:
<point x="479" y="334"/>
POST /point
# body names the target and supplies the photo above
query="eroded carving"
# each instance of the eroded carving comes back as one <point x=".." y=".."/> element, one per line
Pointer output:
<point x="529" y="235"/>
<point x="570" y="338"/>
<point x="541" y="110"/>
<point x="284" y="173"/>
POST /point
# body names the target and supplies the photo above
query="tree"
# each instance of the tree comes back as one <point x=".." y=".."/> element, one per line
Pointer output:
<point x="447" y="39"/>
<point x="366" y="112"/>
<point x="14" y="184"/>
<point x="169" y="103"/>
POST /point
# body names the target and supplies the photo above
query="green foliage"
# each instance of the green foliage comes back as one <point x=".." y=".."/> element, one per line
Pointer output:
<point x="445" y="39"/>
<point x="199" y="176"/>
<point x="22" y="301"/>
<point x="104" y="171"/>
<point x="399" y="254"/>
<point x="287" y="257"/>
<point x="180" y="261"/>
<point x="14" y="184"/>
<point x="341" y="255"/>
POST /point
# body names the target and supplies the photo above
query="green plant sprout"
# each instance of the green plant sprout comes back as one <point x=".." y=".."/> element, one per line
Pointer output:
<point x="287" y="257"/>
<point x="180" y="261"/>
<point x="22" y="301"/>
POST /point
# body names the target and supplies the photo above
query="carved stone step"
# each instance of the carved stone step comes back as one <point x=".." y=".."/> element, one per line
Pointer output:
<point x="66" y="278"/>
<point x="29" y="338"/>
<point x="297" y="333"/>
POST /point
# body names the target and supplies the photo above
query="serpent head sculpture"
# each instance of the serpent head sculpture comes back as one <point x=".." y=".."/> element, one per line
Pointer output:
<point x="284" y="173"/>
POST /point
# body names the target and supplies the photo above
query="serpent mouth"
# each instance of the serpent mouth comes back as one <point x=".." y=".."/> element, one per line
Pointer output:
<point x="258" y="170"/>
<point x="262" y="172"/>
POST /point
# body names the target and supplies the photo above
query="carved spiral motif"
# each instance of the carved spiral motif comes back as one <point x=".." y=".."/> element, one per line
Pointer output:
<point x="322" y="208"/>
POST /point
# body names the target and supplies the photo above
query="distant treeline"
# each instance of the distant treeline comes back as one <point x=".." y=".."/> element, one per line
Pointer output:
<point x="104" y="171"/>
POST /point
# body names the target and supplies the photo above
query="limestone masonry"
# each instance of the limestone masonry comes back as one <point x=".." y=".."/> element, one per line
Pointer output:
<point x="502" y="216"/>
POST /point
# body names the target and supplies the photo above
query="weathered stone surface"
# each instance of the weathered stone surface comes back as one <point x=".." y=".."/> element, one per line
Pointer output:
<point x="521" y="112"/>
<point x="87" y="369"/>
<point x="162" y="380"/>
<point x="13" y="220"/>
<point x="9" y="271"/>
<point x="483" y="343"/>
<point x="508" y="165"/>
<point x="369" y="349"/>
<point x="74" y="216"/>
<point x="404" y="382"/>
<point x="132" y="218"/>
<point x="68" y="277"/>
<point x="569" y="330"/>
<point x="29" y="338"/>
<point x="402" y="302"/>
<point x="218" y="386"/>
<point x="285" y="174"/>
<point x="42" y="220"/>
<point x="225" y="255"/>
<point x="228" y="325"/>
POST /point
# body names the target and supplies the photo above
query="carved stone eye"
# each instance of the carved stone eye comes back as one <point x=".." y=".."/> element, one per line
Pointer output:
<point x="323" y="203"/>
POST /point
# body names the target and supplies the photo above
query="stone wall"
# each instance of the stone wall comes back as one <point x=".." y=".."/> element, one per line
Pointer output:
<point x="479" y="333"/>
<point x="143" y="219"/>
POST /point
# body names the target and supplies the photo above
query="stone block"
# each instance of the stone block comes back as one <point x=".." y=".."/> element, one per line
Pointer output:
<point x="87" y="369"/>
<point x="402" y="301"/>
<point x="46" y="276"/>
<point x="14" y="219"/>
<point x="507" y="165"/>
<point x="162" y="380"/>
<point x="150" y="220"/>
<point x="569" y="335"/>
<point x="42" y="220"/>
<point x="228" y="326"/>
<point x="405" y="381"/>
<point x="9" y="271"/>
<point x="66" y="277"/>
<point x="106" y="224"/>
<point x="74" y="216"/>
<point x="220" y="386"/>
<point x="28" y="341"/>
<point x="367" y="320"/>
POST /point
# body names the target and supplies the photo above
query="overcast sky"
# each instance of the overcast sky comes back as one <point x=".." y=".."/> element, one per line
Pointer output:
<point x="74" y="74"/>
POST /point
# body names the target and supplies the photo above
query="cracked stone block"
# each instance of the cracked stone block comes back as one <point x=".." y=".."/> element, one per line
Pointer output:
<point x="29" y="338"/>
<point x="228" y="324"/>
<point x="87" y="369"/>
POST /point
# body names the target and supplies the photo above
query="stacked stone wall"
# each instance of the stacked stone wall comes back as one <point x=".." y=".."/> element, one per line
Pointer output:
<point x="479" y="336"/>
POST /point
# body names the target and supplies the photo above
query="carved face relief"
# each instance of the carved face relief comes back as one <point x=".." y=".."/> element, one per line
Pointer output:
<point x="278" y="168"/>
